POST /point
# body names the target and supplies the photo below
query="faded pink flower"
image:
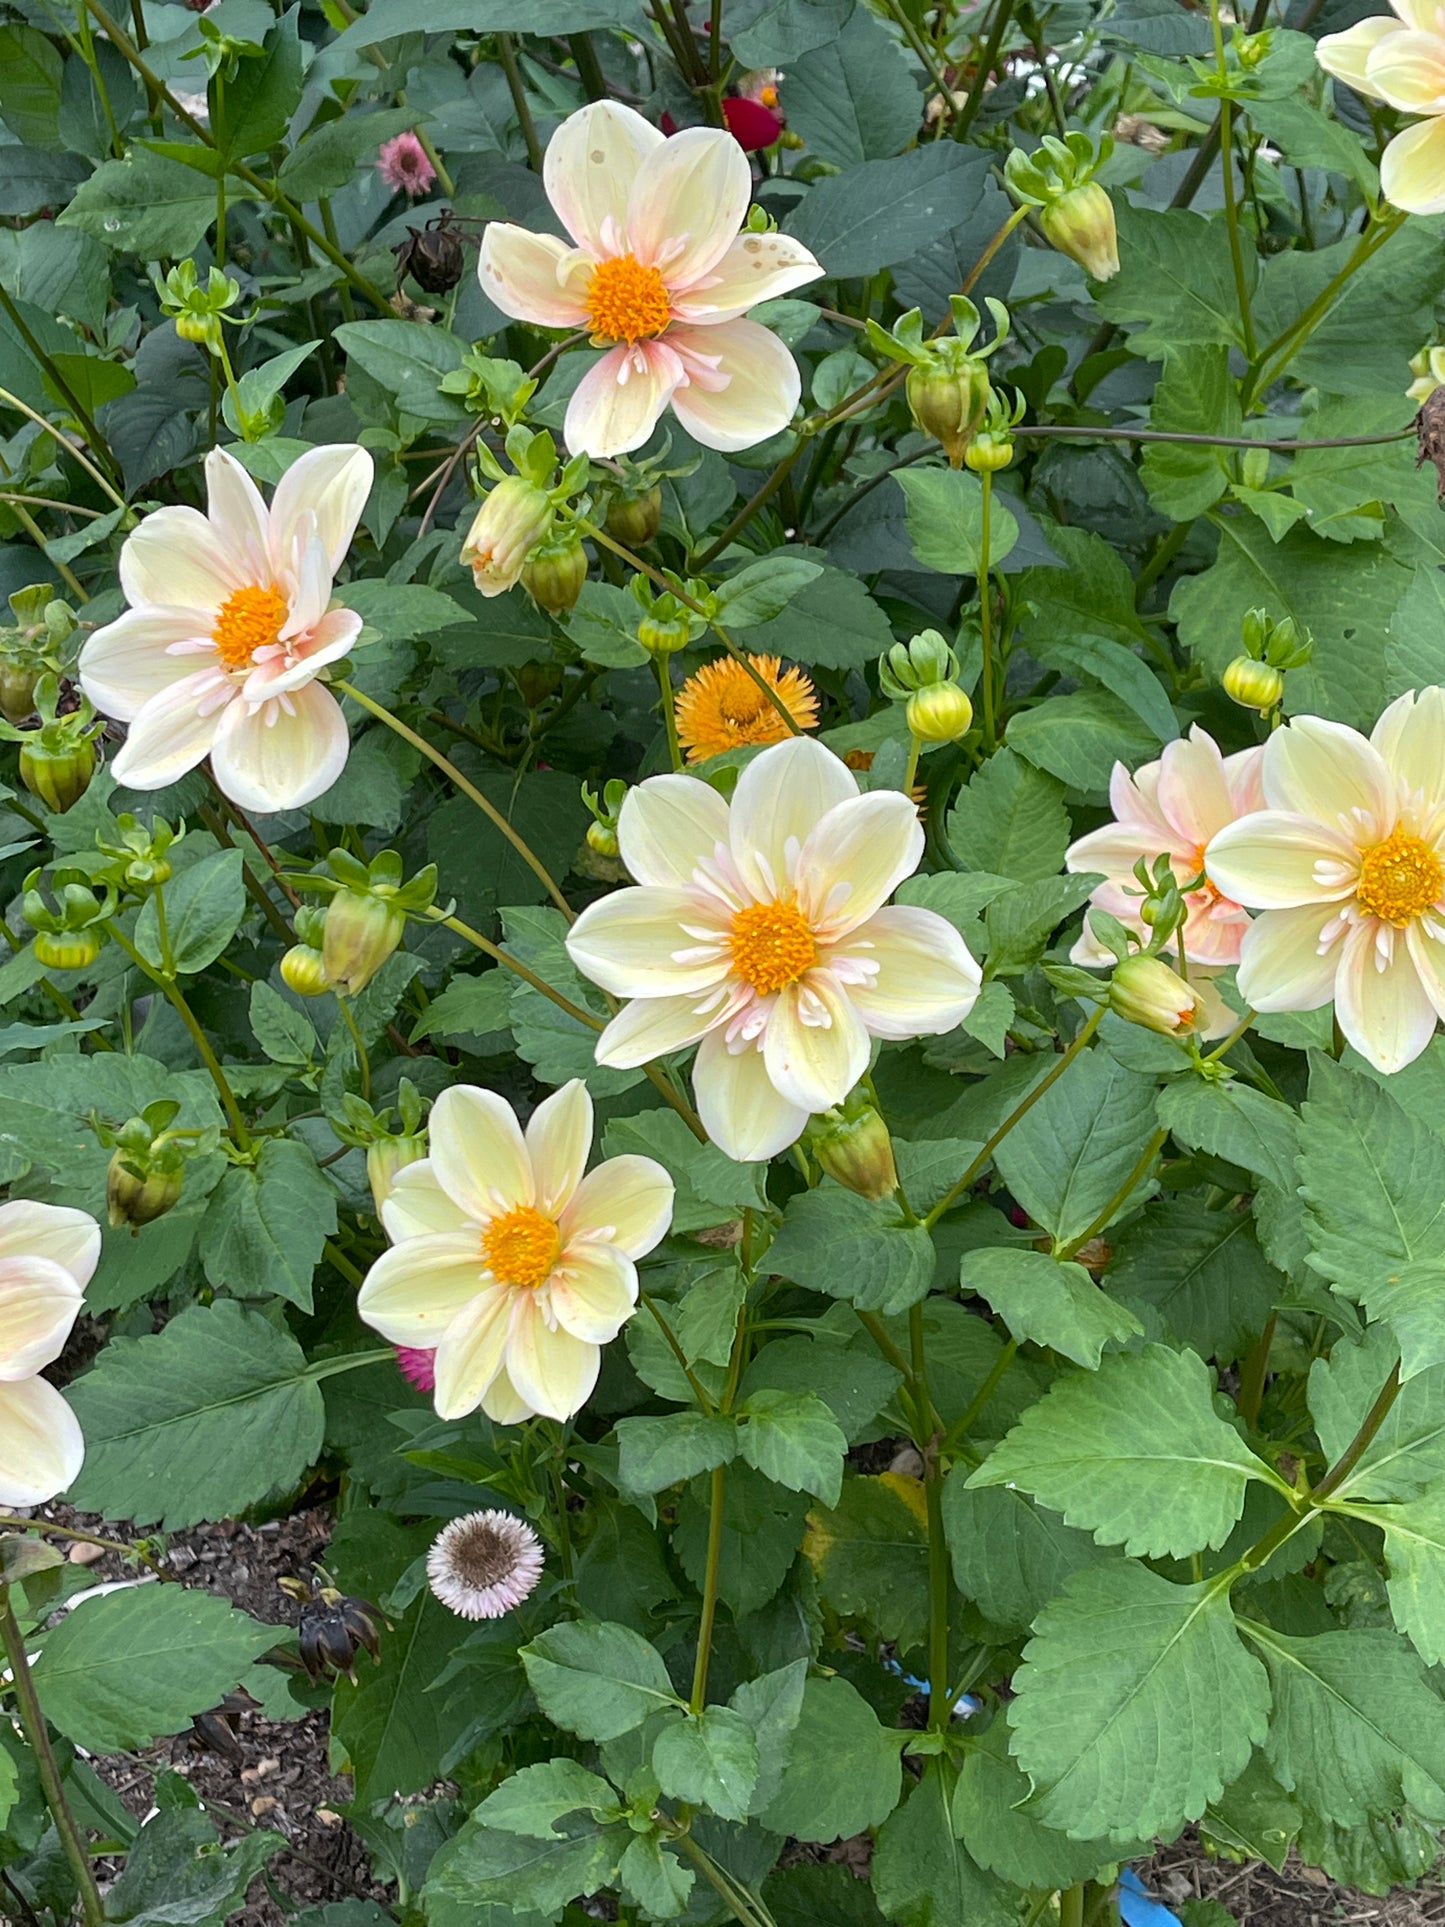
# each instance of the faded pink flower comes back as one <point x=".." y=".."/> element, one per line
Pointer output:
<point x="417" y="1366"/>
<point x="403" y="164"/>
<point x="484" y="1564"/>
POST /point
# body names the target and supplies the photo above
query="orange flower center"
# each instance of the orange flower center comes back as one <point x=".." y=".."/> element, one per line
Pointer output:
<point x="250" y="619"/>
<point x="1399" y="879"/>
<point x="1209" y="891"/>
<point x="772" y="945"/>
<point x="627" y="301"/>
<point x="520" y="1246"/>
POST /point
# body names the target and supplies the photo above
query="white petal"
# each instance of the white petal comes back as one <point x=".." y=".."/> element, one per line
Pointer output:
<point x="238" y="514"/>
<point x="687" y="203"/>
<point x="651" y="1027"/>
<point x="268" y="759"/>
<point x="39" y="1302"/>
<point x="615" y="406"/>
<point x="1428" y="955"/>
<point x="927" y="981"/>
<point x="856" y="856"/>
<point x="741" y="1110"/>
<point x="416" y="1205"/>
<point x="667" y="826"/>
<point x="124" y="664"/>
<point x="478" y="1152"/>
<point x="1412" y="169"/>
<point x="756" y="267"/>
<point x="815" y="1065"/>
<point x="503" y="1404"/>
<point x="1244" y="773"/>
<point x="56" y="1231"/>
<point x="330" y="484"/>
<point x="589" y="167"/>
<point x="551" y="1370"/>
<point x="1385" y="1013"/>
<point x="1280" y="965"/>
<point x="593" y="1292"/>
<point x="332" y="637"/>
<point x="1192" y="791"/>
<point x="1346" y="55"/>
<point x="626" y="1200"/>
<point x="1326" y="770"/>
<point x="168" y="735"/>
<point x="1411" y="738"/>
<point x="1268" y="860"/>
<point x="559" y="1138"/>
<point x="1408" y="70"/>
<point x="177" y="559"/>
<point x="534" y="277"/>
<point x="627" y="943"/>
<point x="762" y="391"/>
<point x="470" y="1353"/>
<point x="781" y="797"/>
<point x="41" y="1446"/>
<point x="1114" y="849"/>
<point x="413" y="1292"/>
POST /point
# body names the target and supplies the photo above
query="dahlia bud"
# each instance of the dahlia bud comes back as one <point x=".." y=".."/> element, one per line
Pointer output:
<point x="1146" y="991"/>
<point x="17" y="691"/>
<point x="362" y="930"/>
<point x="385" y="1156"/>
<point x="988" y="452"/>
<point x="135" y="1195"/>
<point x="511" y="521"/>
<point x="939" y="713"/>
<point x="1254" y="685"/>
<point x="1081" y="225"/>
<point x="663" y="635"/>
<point x="554" y="572"/>
<point x="58" y="775"/>
<point x="852" y="1144"/>
<point x="948" y="403"/>
<point x="66" y="949"/>
<point x="602" y="838"/>
<point x="303" y="969"/>
<point x="634" y="519"/>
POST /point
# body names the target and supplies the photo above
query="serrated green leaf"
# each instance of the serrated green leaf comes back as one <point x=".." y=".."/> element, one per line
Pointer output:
<point x="1407" y="1453"/>
<point x="1009" y="1555"/>
<point x="1048" y="1303"/>
<point x="596" y="1678"/>
<point x="945" y="520"/>
<point x="1199" y="1271"/>
<point x="1233" y="1121"/>
<point x="534" y="1799"/>
<point x="843" y="1773"/>
<point x="923" y="1874"/>
<point x="268" y="1224"/>
<point x="834" y="1241"/>
<point x="710" y="1759"/>
<point x="793" y="1439"/>
<point x="870" y="1552"/>
<point x="1067" y="1156"/>
<point x="1010" y="819"/>
<point x="659" y="1452"/>
<point x="204" y="905"/>
<point x="997" y="1820"/>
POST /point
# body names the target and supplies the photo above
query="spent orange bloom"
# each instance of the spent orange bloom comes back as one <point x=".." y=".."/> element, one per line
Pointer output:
<point x="721" y="707"/>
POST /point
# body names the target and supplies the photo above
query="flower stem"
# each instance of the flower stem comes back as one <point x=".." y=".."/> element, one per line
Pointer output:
<point x="1071" y="1905"/>
<point x="669" y="712"/>
<point x="1099" y="1223"/>
<point x="985" y="615"/>
<point x="363" y="1061"/>
<point x="717" y="1492"/>
<point x="175" y="996"/>
<point x="1286" y="346"/>
<point x="9" y="1523"/>
<point x="516" y="87"/>
<point x="37" y="535"/>
<point x="32" y="1718"/>
<point x="930" y="1446"/>
<point x="1252" y="1373"/>
<point x="81" y="413"/>
<point x="24" y="408"/>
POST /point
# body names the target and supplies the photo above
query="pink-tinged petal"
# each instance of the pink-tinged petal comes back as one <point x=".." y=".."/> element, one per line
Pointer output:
<point x="333" y="637"/>
<point x="39" y="1302"/>
<point x="593" y="1291"/>
<point x="1212" y="935"/>
<point x="668" y="826"/>
<point x="416" y="1206"/>
<point x="283" y="755"/>
<point x="470" y="1353"/>
<point x="687" y="203"/>
<point x="126" y="663"/>
<point x="630" y="943"/>
<point x="41" y="1444"/>
<point x="927" y="982"/>
<point x="626" y="1201"/>
<point x="762" y="384"/>
<point x="781" y="797"/>
<point x="558" y="1139"/>
<point x="1412" y="169"/>
<point x="413" y="1292"/>
<point x="651" y="1027"/>
<point x="238" y="514"/>
<point x="1282" y="965"/>
<point x="1193" y="793"/>
<point x="1411" y="738"/>
<point x="1115" y="848"/>
<point x="588" y="170"/>
<point x="478" y="1152"/>
<point x="742" y="1111"/>
<point x="65" y="1236"/>
<point x="1276" y="861"/>
<point x="503" y="1404"/>
<point x="855" y="858"/>
<point x="309" y="577"/>
<point x="615" y="406"/>
<point x="177" y="559"/>
<point x="549" y="1369"/>
<point x="1380" y="1004"/>
<point x="1408" y="71"/>
<point x="330" y="484"/>
<point x="756" y="267"/>
<point x="1135" y="799"/>
<point x="534" y="277"/>
<point x="169" y="734"/>
<point x="1244" y="773"/>
<point x="815" y="1047"/>
<point x="1331" y="772"/>
<point x="1346" y="55"/>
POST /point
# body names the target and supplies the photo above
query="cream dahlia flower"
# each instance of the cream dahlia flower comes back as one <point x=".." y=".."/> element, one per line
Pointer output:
<point x="660" y="276"/>
<point x="47" y="1255"/>
<point x="509" y="1263"/>
<point x="1347" y="863"/>
<point x="759" y="928"/>
<point x="228" y="628"/>
<point x="1400" y="61"/>
<point x="1171" y="808"/>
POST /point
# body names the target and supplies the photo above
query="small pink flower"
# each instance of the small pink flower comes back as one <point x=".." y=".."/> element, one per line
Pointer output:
<point x="484" y="1564"/>
<point x="402" y="163"/>
<point x="417" y="1367"/>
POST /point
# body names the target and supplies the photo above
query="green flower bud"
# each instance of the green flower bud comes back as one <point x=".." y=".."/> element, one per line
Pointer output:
<point x="987" y="452"/>
<point x="939" y="713"/>
<point x="135" y="1195"/>
<point x="1081" y="225"/>
<point x="59" y="776"/>
<point x="67" y="949"/>
<point x="663" y="635"/>
<point x="361" y="932"/>
<point x="303" y="969"/>
<point x="602" y="838"/>
<point x="17" y="691"/>
<point x="1254" y="685"/>
<point x="384" y="1158"/>
<point x="1146" y="991"/>
<point x="511" y="521"/>
<point x="949" y="402"/>
<point x="852" y="1144"/>
<point x="633" y="519"/>
<point x="554" y="572"/>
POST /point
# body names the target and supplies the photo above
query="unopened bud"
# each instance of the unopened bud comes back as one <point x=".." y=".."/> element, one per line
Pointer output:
<point x="634" y="519"/>
<point x="60" y="776"/>
<point x="602" y="838"/>
<point x="940" y="712"/>
<point x="361" y="933"/>
<point x="509" y="524"/>
<point x="67" y="949"/>
<point x="554" y="572"/>
<point x="1254" y="685"/>
<point x="852" y="1144"/>
<point x="1081" y="225"/>
<point x="663" y="635"/>
<point x="1146" y="991"/>
<point x="303" y="969"/>
<point x="137" y="1196"/>
<point x="949" y="403"/>
<point x="17" y="691"/>
<point x="987" y="453"/>
<point x="384" y="1158"/>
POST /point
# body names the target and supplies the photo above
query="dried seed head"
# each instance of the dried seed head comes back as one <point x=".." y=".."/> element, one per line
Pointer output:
<point x="484" y="1564"/>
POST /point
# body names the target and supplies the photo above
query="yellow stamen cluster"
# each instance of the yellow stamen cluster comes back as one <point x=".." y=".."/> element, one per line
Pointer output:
<point x="250" y="619"/>
<point x="772" y="945"/>
<point x="1399" y="879"/>
<point x="627" y="301"/>
<point x="721" y="707"/>
<point x="519" y="1247"/>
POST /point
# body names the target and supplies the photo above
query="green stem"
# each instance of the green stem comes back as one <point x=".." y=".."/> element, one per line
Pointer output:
<point x="738" y="1904"/>
<point x="8" y="1523"/>
<point x="589" y="68"/>
<point x="176" y="998"/>
<point x="898" y="13"/>
<point x="77" y="408"/>
<point x="363" y="1061"/>
<point x="699" y="1390"/>
<point x="985" y="617"/>
<point x="1116" y="1203"/>
<point x="1071" y="1905"/>
<point x="1282" y="350"/>
<point x="1223" y="1050"/>
<point x="24" y="408"/>
<point x="32" y="1718"/>
<point x="669" y="712"/>
<point x="910" y="770"/>
<point x="929" y="1445"/>
<point x="769" y="488"/>
<point x="968" y="1418"/>
<point x="37" y="535"/>
<point x="717" y="1492"/>
<point x="1252" y="1373"/>
<point x="1231" y="208"/>
<point x="971" y="278"/>
<point x="987" y="59"/>
<point x="507" y="60"/>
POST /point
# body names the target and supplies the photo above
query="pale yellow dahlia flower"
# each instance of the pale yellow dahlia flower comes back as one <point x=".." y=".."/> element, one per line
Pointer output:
<point x="509" y="1263"/>
<point x="760" y="929"/>
<point x="47" y="1255"/>
<point x="1400" y="60"/>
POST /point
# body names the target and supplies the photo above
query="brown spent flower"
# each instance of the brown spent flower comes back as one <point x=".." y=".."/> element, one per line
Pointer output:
<point x="484" y="1564"/>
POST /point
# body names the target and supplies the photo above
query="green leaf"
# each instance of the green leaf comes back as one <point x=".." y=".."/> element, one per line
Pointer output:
<point x="1407" y="1453"/>
<point x="148" y="205"/>
<point x="1021" y="921"/>
<point x="997" y="1820"/>
<point x="1136" y="1704"/>
<point x="1048" y="1303"/>
<point x="326" y="159"/>
<point x="658" y="1452"/>
<point x="556" y="1045"/>
<point x="1134" y="1453"/>
<point x="854" y="98"/>
<point x="257" y="103"/>
<point x="711" y="1187"/>
<point x="835" y="1242"/>
<point x="123" y="1669"/>
<point x="793" y="1439"/>
<point x="268" y="1223"/>
<point x="1175" y="279"/>
<point x="1092" y="594"/>
<point x="854" y="1383"/>
<point x="843" y="1773"/>
<point x="286" y="1034"/>
<point x="1198" y="1271"/>
<point x="407" y="359"/>
<point x="882" y="212"/>
<point x="772" y="1706"/>
<point x="655" y="1877"/>
<point x="706" y="1320"/>
<point x="469" y="1007"/>
<point x="530" y="1881"/>
<point x="1079" y="737"/>
<point x="923" y="1875"/>
<point x="762" y="1525"/>
<point x="1010" y="819"/>
<point x="1196" y="395"/>
<point x="1009" y="1555"/>
<point x="204" y="906"/>
<point x="30" y="79"/>
<point x="532" y="1801"/>
<point x="1067" y="1156"/>
<point x="1356" y="1731"/>
<point x="763" y="590"/>
<point x="871" y="1555"/>
<point x="710" y="1759"/>
<point x="1112" y="662"/>
<point x="945" y="519"/>
<point x="177" y="1870"/>
<point x="1415" y="1560"/>
<point x="1233" y="1121"/>
<point x="596" y="1679"/>
<point x="832" y="622"/>
<point x="211" y="1415"/>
